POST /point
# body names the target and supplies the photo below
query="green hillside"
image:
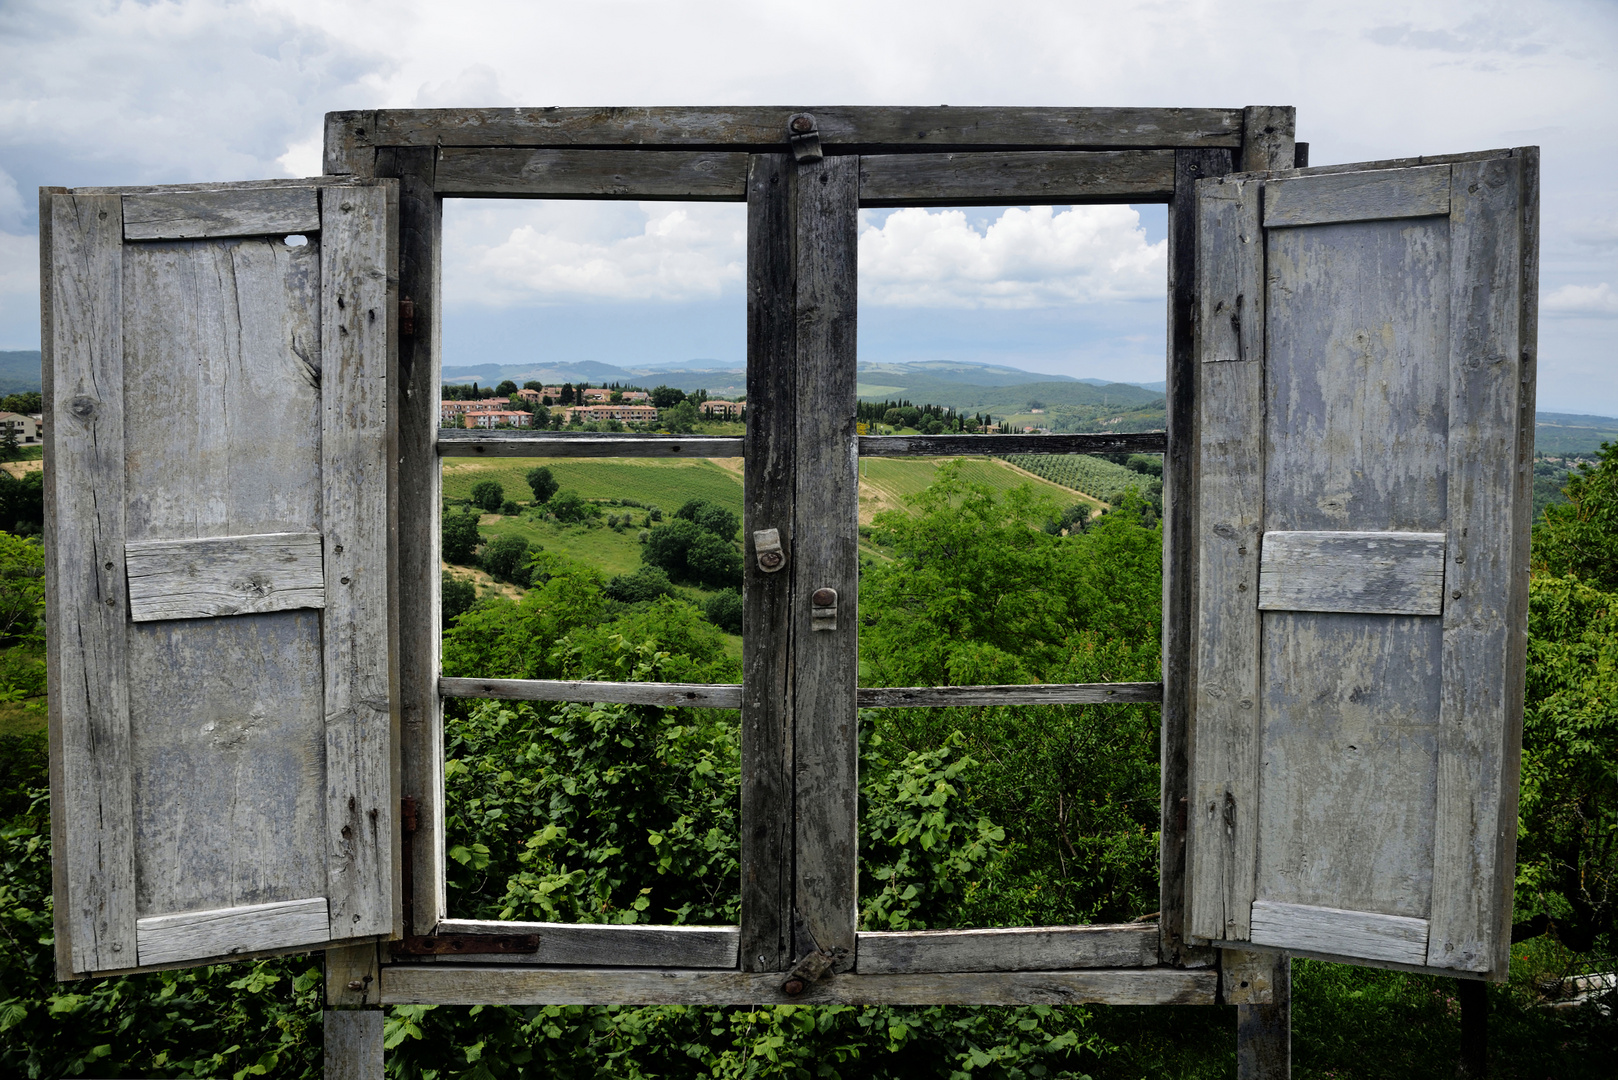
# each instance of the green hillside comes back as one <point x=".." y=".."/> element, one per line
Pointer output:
<point x="886" y="482"/>
<point x="1563" y="434"/>
<point x="666" y="484"/>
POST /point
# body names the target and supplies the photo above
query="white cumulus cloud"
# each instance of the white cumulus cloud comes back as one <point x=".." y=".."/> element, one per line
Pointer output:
<point x="503" y="254"/>
<point x="1598" y="300"/>
<point x="1027" y="258"/>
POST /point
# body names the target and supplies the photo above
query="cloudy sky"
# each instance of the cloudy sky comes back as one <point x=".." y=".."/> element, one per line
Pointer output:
<point x="149" y="92"/>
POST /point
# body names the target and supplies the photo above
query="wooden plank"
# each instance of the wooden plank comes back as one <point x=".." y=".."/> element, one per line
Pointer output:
<point x="826" y="556"/>
<point x="353" y="1041"/>
<point x="349" y="145"/>
<point x="227" y="725"/>
<point x="61" y="923"/>
<point x="1019" y="178"/>
<point x="1023" y="948"/>
<point x="1144" y="442"/>
<point x="1179" y="551"/>
<point x="1483" y="647"/>
<point x="225" y="575"/>
<point x="1222" y="847"/>
<point x="603" y="945"/>
<point x="81" y="288"/>
<point x="769" y="497"/>
<point x="1392" y="573"/>
<point x="904" y="697"/>
<point x="664" y="695"/>
<point x="1406" y="163"/>
<point x="215" y="186"/>
<point x="1333" y="930"/>
<point x="457" y="443"/>
<point x="1264" y="1029"/>
<point x="1268" y="134"/>
<point x="347" y="966"/>
<point x="445" y="985"/>
<point x="416" y="397"/>
<point x="845" y="129"/>
<point x="358" y="311"/>
<point x="500" y="172"/>
<point x="194" y="215"/>
<point x="195" y="935"/>
<point x="1357" y="196"/>
<point x="1247" y="978"/>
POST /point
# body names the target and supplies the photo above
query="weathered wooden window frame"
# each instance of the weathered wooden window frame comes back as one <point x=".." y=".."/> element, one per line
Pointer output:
<point x="907" y="157"/>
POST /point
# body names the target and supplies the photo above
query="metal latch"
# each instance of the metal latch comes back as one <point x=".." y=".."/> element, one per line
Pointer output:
<point x="767" y="547"/>
<point x="823" y="615"/>
<point x="805" y="138"/>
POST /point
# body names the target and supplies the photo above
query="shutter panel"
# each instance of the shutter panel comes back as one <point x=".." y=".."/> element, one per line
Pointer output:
<point x="221" y="649"/>
<point x="1363" y="503"/>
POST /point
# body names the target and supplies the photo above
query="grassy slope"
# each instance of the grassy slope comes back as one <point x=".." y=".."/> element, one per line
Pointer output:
<point x="884" y="482"/>
<point x="667" y="484"/>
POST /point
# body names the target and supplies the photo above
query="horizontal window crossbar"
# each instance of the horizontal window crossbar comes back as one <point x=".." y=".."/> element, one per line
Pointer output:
<point x="599" y="944"/>
<point x="1141" y="442"/>
<point x="729" y="695"/>
<point x="462" y="443"/>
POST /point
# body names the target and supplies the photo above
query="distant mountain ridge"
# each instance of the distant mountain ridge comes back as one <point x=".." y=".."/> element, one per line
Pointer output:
<point x="19" y="371"/>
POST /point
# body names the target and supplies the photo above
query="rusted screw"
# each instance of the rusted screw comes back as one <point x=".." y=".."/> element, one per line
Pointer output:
<point x="792" y="987"/>
<point x="802" y="125"/>
<point x="771" y="559"/>
<point x="355" y="984"/>
<point x="825" y="597"/>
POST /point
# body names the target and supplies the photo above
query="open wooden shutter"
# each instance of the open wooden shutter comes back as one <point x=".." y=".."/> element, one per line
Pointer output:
<point x="1366" y="341"/>
<point x="217" y="529"/>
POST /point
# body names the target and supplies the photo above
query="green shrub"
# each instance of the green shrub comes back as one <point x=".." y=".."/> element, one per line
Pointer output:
<point x="488" y="495"/>
<point x="724" y="610"/>
<point x="506" y="559"/>
<point x="455" y="596"/>
<point x="646" y="583"/>
<point x="460" y="537"/>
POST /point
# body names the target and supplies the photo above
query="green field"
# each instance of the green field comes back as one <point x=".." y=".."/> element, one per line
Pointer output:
<point x="662" y="483"/>
<point x="1092" y="475"/>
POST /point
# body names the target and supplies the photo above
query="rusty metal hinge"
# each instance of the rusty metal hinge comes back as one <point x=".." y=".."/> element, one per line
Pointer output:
<point x="804" y="136"/>
<point x="811" y="969"/>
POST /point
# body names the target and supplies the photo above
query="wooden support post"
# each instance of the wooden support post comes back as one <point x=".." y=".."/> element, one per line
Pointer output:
<point x="1264" y="1032"/>
<point x="353" y="1017"/>
<point x="1268" y="133"/>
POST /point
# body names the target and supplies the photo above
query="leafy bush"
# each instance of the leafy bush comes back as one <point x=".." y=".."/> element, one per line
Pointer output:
<point x="572" y="508"/>
<point x="510" y="508"/>
<point x="541" y="483"/>
<point x="724" y="610"/>
<point x="506" y="559"/>
<point x="22" y="502"/>
<point x="710" y="516"/>
<point x="460" y="537"/>
<point x="22" y="586"/>
<point x="488" y="495"/>
<point x="455" y="596"/>
<point x="646" y="583"/>
<point x="688" y="552"/>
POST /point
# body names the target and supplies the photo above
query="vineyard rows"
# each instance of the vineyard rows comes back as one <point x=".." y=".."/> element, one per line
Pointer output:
<point x="1094" y="476"/>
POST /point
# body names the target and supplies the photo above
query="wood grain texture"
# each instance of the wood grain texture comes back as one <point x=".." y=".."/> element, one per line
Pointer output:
<point x="1268" y="136"/>
<point x="603" y="945"/>
<point x="453" y="443"/>
<point x="349" y="145"/>
<point x="1247" y="978"/>
<point x="227" y="744"/>
<point x="769" y="494"/>
<point x="1145" y="442"/>
<point x="353" y="1041"/>
<point x="826" y="555"/>
<point x="82" y="294"/>
<point x="194" y="215"/>
<point x="417" y="393"/>
<point x="226" y="575"/>
<point x="903" y="697"/>
<point x="358" y="455"/>
<point x="352" y="964"/>
<point x="1483" y="648"/>
<point x="1179" y="551"/>
<point x="499" y="172"/>
<point x="197" y="935"/>
<point x="1357" y="196"/>
<point x="446" y="985"/>
<point x="1017" y="178"/>
<point x="1335" y="930"/>
<point x="1223" y="819"/>
<point x="61" y="923"/>
<point x="1264" y="1029"/>
<point x="842" y="129"/>
<point x="1391" y="573"/>
<point x="665" y="695"/>
<point x="1025" y="948"/>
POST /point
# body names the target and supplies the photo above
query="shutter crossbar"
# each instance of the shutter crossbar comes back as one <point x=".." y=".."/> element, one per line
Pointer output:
<point x="517" y="443"/>
<point x="729" y="696"/>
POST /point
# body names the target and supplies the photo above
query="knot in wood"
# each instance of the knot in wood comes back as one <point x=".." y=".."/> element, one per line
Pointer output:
<point x="82" y="407"/>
